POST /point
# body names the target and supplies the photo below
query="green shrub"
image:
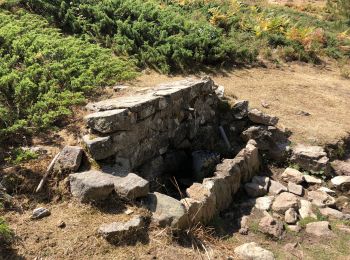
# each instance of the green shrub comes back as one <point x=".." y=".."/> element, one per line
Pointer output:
<point x="20" y="155"/>
<point x="339" y="8"/>
<point x="43" y="74"/>
<point x="6" y="234"/>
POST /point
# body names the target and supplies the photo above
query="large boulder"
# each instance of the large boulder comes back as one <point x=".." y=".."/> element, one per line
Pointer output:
<point x="91" y="185"/>
<point x="69" y="159"/>
<point x="252" y="251"/>
<point x="341" y="183"/>
<point x="292" y="175"/>
<point x="118" y="231"/>
<point x="311" y="158"/>
<point x="258" y="117"/>
<point x="320" y="198"/>
<point x="285" y="201"/>
<point x="320" y="229"/>
<point x="166" y="211"/>
<point x="270" y="226"/>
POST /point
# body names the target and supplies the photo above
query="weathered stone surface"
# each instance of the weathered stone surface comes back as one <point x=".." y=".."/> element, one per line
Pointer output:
<point x="276" y="187"/>
<point x="39" y="213"/>
<point x="131" y="186"/>
<point x="295" y="189"/>
<point x="341" y="183"/>
<point x="269" y="139"/>
<point x="264" y="203"/>
<point x="111" y="120"/>
<point x="248" y="161"/>
<point x="240" y="109"/>
<point x="69" y="159"/>
<point x="166" y="210"/>
<point x="320" y="229"/>
<point x="99" y="147"/>
<point x="294" y="228"/>
<point x="333" y="213"/>
<point x="306" y="210"/>
<point x="244" y="228"/>
<point x="270" y="226"/>
<point x="291" y="216"/>
<point x="312" y="180"/>
<point x="254" y="189"/>
<point x="252" y="251"/>
<point x="285" y="201"/>
<point x="311" y="158"/>
<point x="341" y="167"/>
<point x="327" y="190"/>
<point x="204" y="163"/>
<point x="342" y="202"/>
<point x="118" y="231"/>
<point x="292" y="175"/>
<point x="320" y="198"/>
<point x="91" y="185"/>
<point x="256" y="116"/>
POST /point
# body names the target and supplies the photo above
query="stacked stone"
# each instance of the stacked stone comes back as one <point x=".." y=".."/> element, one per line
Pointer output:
<point x="136" y="129"/>
<point x="215" y="194"/>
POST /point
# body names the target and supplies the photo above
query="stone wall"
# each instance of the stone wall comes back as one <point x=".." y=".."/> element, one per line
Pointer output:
<point x="138" y="130"/>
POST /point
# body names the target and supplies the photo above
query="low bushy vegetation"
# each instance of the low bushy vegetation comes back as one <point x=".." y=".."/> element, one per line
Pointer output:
<point x="6" y="234"/>
<point x="43" y="74"/>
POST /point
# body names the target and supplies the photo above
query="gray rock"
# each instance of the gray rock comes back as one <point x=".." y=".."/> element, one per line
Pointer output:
<point x="341" y="167"/>
<point x="252" y="251"/>
<point x="306" y="210"/>
<point x="276" y="187"/>
<point x="332" y="213"/>
<point x="91" y="185"/>
<point x="291" y="216"/>
<point x="131" y="186"/>
<point x="240" y="109"/>
<point x="270" y="226"/>
<point x="320" y="198"/>
<point x="320" y="229"/>
<point x="39" y="213"/>
<point x="69" y="159"/>
<point x="295" y="189"/>
<point x="311" y="158"/>
<point x="204" y="163"/>
<point x="99" y="147"/>
<point x="117" y="231"/>
<point x="292" y="175"/>
<point x="341" y="183"/>
<point x="312" y="180"/>
<point x="264" y="203"/>
<point x="256" y="116"/>
<point x="166" y="210"/>
<point x="342" y="202"/>
<point x="285" y="201"/>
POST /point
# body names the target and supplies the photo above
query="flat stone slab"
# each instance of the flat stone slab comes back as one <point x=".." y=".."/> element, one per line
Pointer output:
<point x="131" y="186"/>
<point x="118" y="231"/>
<point x="292" y="175"/>
<point x="259" y="117"/>
<point x="320" y="229"/>
<point x="320" y="198"/>
<point x="166" y="210"/>
<point x="276" y="187"/>
<point x="341" y="182"/>
<point x="285" y="201"/>
<point x="69" y="159"/>
<point x="252" y="251"/>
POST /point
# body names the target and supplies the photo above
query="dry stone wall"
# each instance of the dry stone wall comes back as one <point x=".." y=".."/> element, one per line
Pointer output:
<point x="137" y="129"/>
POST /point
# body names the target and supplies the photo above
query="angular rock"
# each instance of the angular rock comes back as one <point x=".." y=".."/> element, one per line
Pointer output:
<point x="295" y="189"/>
<point x="91" y="185"/>
<point x="240" y="109"/>
<point x="305" y="210"/>
<point x="99" y="147"/>
<point x="320" y="198"/>
<point x="39" y="213"/>
<point x="285" y="201"/>
<point x="166" y="210"/>
<point x="320" y="229"/>
<point x="292" y="175"/>
<point x="341" y="167"/>
<point x="204" y="163"/>
<point x="69" y="159"/>
<point x="311" y="158"/>
<point x="276" y="187"/>
<point x="332" y="213"/>
<point x="252" y="251"/>
<point x="270" y="226"/>
<point x="341" y="183"/>
<point x="264" y="203"/>
<point x="312" y="180"/>
<point x="256" y="116"/>
<point x="254" y="189"/>
<point x="291" y="216"/>
<point x="131" y="186"/>
<point x="118" y="231"/>
<point x="326" y="190"/>
<point x="294" y="228"/>
<point x="342" y="202"/>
